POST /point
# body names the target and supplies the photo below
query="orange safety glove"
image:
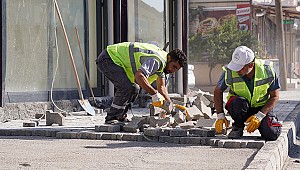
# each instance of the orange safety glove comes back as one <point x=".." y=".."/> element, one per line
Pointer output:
<point x="254" y="121"/>
<point x="220" y="121"/>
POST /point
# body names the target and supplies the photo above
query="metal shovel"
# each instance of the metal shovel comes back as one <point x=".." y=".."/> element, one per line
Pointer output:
<point x="85" y="104"/>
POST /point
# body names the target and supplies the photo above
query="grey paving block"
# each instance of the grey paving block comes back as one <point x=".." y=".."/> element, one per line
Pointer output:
<point x="39" y="115"/>
<point x="255" y="144"/>
<point x="135" y="124"/>
<point x="109" y="136"/>
<point x="15" y="132"/>
<point x="187" y="125"/>
<point x="51" y="133"/>
<point x="29" y="124"/>
<point x="194" y="113"/>
<point x="82" y="135"/>
<point x="108" y="128"/>
<point x="26" y="132"/>
<point x="206" y="141"/>
<point x="229" y="144"/>
<point x="201" y="132"/>
<point x="159" y="122"/>
<point x="189" y="140"/>
<point x="205" y="122"/>
<point x="151" y="138"/>
<point x="168" y="139"/>
<point x="54" y="118"/>
<point x="178" y="132"/>
<point x="5" y="132"/>
<point x="165" y="132"/>
<point x="152" y="131"/>
<point x="133" y="137"/>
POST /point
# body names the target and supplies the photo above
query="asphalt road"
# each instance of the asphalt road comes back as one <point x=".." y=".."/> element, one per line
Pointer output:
<point x="50" y="153"/>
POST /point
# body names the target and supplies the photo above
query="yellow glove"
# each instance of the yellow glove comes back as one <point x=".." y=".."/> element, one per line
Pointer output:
<point x="157" y="100"/>
<point x="182" y="109"/>
<point x="254" y="121"/>
<point x="220" y="121"/>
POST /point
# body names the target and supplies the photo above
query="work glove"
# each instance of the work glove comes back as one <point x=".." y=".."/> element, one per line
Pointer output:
<point x="254" y="121"/>
<point x="183" y="110"/>
<point x="157" y="100"/>
<point x="220" y="121"/>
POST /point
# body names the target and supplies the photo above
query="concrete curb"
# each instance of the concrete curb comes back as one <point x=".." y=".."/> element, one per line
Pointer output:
<point x="274" y="153"/>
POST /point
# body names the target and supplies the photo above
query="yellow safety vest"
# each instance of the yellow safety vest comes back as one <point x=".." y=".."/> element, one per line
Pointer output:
<point x="128" y="55"/>
<point x="263" y="77"/>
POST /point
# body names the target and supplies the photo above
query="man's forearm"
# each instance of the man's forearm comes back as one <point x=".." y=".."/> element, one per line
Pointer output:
<point x="274" y="97"/>
<point x="218" y="100"/>
<point x="269" y="105"/>
<point x="142" y="81"/>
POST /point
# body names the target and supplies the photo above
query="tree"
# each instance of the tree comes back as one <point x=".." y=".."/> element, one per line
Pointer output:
<point x="217" y="46"/>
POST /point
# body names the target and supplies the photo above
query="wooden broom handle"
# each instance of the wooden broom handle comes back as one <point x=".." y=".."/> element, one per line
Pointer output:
<point x="69" y="49"/>
<point x="83" y="62"/>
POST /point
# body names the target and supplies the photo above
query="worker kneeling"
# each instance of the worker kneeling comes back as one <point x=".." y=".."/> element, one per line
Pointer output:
<point x="253" y="93"/>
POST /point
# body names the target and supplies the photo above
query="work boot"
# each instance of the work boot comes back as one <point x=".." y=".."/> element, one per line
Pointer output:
<point x="236" y="133"/>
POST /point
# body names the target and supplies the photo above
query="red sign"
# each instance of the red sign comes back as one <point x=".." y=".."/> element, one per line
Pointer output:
<point x="243" y="15"/>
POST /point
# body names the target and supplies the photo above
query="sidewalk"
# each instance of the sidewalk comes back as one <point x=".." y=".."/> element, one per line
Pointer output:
<point x="271" y="155"/>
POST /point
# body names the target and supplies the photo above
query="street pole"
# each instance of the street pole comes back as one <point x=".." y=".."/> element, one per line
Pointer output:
<point x="280" y="45"/>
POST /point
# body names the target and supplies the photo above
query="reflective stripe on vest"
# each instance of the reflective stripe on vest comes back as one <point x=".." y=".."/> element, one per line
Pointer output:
<point x="132" y="50"/>
<point x="128" y="55"/>
<point x="263" y="77"/>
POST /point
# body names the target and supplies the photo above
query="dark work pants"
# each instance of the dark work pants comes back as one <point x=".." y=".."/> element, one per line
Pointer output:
<point x="126" y="92"/>
<point x="240" y="110"/>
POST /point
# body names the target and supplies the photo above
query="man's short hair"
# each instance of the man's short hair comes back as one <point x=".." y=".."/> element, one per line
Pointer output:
<point x="178" y="55"/>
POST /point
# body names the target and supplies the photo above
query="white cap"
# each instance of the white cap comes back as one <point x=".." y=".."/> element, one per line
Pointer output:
<point x="241" y="56"/>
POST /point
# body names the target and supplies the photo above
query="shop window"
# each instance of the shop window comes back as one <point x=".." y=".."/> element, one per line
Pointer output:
<point x="31" y="59"/>
<point x="147" y="21"/>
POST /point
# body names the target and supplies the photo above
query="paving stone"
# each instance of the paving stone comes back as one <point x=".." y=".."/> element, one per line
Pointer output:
<point x="168" y="139"/>
<point x="179" y="117"/>
<point x="54" y="118"/>
<point x="178" y="132"/>
<point x="26" y="132"/>
<point x="38" y="132"/>
<point x="5" y="132"/>
<point x="109" y="136"/>
<point x="51" y="133"/>
<point x="82" y="135"/>
<point x="133" y="137"/>
<point x="154" y="111"/>
<point x="205" y="122"/>
<point x="39" y="115"/>
<point x="208" y="133"/>
<point x="165" y="132"/>
<point x="189" y="140"/>
<point x="152" y="131"/>
<point x="187" y="125"/>
<point x="108" y="128"/>
<point x="151" y="138"/>
<point x="135" y="124"/>
<point x="255" y="144"/>
<point x="15" y="132"/>
<point x="29" y="124"/>
<point x="229" y="144"/>
<point x="194" y="113"/>
<point x="159" y="122"/>
<point x="206" y="141"/>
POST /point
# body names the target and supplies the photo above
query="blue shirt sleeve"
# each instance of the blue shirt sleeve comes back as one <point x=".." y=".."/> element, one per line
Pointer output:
<point x="221" y="82"/>
<point x="275" y="84"/>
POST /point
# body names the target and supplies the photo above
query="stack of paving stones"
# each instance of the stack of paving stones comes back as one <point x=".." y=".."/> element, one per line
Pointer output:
<point x="198" y="130"/>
